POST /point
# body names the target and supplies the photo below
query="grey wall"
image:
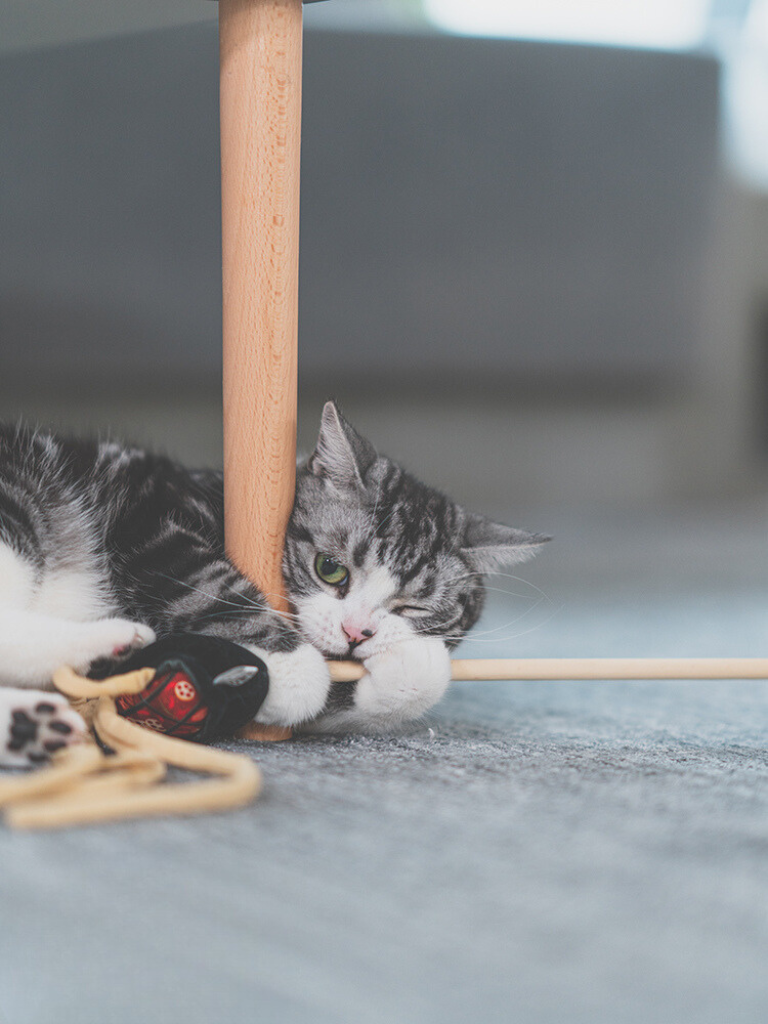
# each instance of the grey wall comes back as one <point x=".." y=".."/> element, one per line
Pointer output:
<point x="110" y="212"/>
<point x="495" y="208"/>
<point x="472" y="210"/>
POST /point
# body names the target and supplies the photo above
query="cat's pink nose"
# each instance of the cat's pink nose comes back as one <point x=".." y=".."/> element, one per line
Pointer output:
<point x="355" y="634"/>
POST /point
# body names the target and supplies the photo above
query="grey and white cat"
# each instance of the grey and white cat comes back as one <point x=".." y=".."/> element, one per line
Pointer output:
<point x="104" y="547"/>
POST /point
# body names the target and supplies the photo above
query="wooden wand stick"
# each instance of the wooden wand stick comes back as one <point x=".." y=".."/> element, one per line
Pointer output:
<point x="533" y="669"/>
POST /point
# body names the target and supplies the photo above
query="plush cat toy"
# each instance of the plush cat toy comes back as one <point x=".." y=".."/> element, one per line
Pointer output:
<point x="204" y="688"/>
<point x="185" y="687"/>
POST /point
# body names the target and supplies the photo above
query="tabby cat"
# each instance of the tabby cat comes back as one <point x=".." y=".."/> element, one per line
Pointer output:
<point x="105" y="547"/>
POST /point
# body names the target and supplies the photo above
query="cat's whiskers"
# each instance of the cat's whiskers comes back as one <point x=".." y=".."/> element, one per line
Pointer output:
<point x="236" y="613"/>
<point x="521" y="597"/>
<point x="430" y="631"/>
<point x="281" y="614"/>
<point x="205" y="593"/>
<point x="519" y="579"/>
<point x="250" y="608"/>
<point x="495" y="629"/>
<point x="372" y="517"/>
<point x="486" y="635"/>
<point x="475" y="574"/>
<point x="483" y="639"/>
<point x="511" y="622"/>
<point x="378" y="526"/>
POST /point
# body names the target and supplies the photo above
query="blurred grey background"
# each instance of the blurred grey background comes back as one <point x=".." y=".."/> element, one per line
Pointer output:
<point x="524" y="268"/>
<point x="535" y="270"/>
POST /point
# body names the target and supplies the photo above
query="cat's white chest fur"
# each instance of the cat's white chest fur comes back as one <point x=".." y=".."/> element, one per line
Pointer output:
<point x="72" y="594"/>
<point x="77" y="593"/>
<point x="58" y="617"/>
<point x="17" y="579"/>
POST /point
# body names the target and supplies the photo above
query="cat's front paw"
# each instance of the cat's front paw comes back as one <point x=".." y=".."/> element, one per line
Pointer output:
<point x="298" y="686"/>
<point x="105" y="640"/>
<point x="34" y="725"/>
<point x="402" y="683"/>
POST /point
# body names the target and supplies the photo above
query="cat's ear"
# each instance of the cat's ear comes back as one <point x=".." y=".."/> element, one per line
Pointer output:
<point x="491" y="546"/>
<point x="341" y="455"/>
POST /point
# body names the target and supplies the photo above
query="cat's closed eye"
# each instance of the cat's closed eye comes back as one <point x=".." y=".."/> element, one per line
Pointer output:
<point x="411" y="610"/>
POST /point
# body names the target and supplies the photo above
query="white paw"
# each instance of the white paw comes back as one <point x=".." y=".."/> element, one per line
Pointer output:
<point x="298" y="686"/>
<point x="34" y="725"/>
<point x="106" y="638"/>
<point x="402" y="683"/>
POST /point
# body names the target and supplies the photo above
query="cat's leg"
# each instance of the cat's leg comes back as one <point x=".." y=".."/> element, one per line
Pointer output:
<point x="399" y="685"/>
<point x="298" y="675"/>
<point x="33" y="646"/>
<point x="49" y="618"/>
<point x="299" y="684"/>
<point x="34" y="725"/>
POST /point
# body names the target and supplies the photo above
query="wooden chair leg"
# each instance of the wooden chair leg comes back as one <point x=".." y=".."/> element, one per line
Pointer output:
<point x="260" y="49"/>
<point x="260" y="98"/>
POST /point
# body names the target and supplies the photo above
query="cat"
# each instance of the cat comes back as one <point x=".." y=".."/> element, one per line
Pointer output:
<point x="104" y="547"/>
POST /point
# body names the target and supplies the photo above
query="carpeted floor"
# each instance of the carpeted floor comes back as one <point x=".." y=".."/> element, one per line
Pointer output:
<point x="535" y="853"/>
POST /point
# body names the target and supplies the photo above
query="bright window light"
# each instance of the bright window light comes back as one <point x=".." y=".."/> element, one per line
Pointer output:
<point x="657" y="24"/>
<point x="746" y="96"/>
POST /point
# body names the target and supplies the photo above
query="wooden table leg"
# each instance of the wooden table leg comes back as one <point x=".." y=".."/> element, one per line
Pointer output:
<point x="260" y="150"/>
<point x="260" y="99"/>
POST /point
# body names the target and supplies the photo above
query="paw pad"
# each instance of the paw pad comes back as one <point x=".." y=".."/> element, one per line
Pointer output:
<point x="38" y="730"/>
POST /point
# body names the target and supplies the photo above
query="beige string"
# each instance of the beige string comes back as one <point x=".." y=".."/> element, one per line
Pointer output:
<point x="84" y="785"/>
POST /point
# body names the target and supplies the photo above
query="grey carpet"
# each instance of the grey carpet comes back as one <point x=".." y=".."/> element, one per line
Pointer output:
<point x="552" y="852"/>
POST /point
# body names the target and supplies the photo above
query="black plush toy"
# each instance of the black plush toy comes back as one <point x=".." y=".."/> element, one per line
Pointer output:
<point x="203" y="688"/>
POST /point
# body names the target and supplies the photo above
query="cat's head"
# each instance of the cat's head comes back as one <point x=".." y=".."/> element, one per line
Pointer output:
<point x="373" y="556"/>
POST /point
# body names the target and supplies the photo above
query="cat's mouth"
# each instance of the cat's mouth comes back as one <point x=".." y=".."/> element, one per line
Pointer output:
<point x="350" y="653"/>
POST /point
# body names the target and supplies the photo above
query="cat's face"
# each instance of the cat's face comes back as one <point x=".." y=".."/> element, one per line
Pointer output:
<point x="373" y="556"/>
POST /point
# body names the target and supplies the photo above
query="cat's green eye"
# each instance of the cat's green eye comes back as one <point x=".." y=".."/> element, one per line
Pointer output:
<point x="330" y="571"/>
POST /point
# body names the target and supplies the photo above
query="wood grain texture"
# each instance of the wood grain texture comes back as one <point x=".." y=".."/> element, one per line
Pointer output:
<point x="533" y="669"/>
<point x="258" y="733"/>
<point x="260" y="101"/>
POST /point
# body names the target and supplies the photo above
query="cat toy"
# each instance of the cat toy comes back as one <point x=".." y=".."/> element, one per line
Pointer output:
<point x="203" y="688"/>
<point x="594" y="669"/>
<point x="86" y="784"/>
<point x="170" y="698"/>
